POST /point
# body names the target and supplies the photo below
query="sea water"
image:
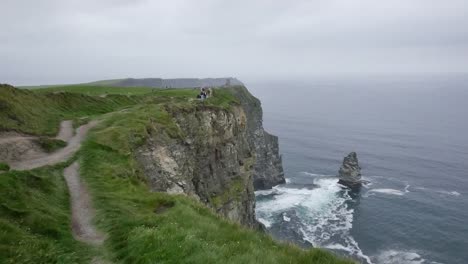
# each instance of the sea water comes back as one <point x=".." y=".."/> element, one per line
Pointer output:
<point x="411" y="137"/>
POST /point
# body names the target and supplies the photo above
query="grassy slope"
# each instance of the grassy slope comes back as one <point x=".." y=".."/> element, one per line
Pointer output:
<point x="40" y="114"/>
<point x="96" y="90"/>
<point x="185" y="233"/>
<point x="142" y="226"/>
<point x="35" y="219"/>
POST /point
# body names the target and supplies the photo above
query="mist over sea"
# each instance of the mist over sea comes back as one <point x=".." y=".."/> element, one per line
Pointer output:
<point x="411" y="137"/>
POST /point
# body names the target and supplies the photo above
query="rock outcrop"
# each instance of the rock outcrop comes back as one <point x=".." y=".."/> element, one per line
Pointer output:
<point x="268" y="167"/>
<point x="217" y="160"/>
<point x="213" y="163"/>
<point x="350" y="172"/>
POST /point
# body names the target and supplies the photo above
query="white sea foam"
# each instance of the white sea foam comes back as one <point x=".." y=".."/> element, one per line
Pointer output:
<point x="387" y="191"/>
<point x="407" y="188"/>
<point x="287" y="180"/>
<point x="399" y="257"/>
<point x="352" y="249"/>
<point x="265" y="192"/>
<point x="452" y="193"/>
<point x="316" y="175"/>
<point x="286" y="218"/>
<point x="265" y="222"/>
<point x="325" y="218"/>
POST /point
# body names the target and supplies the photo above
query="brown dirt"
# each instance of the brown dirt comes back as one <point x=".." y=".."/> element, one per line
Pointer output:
<point x="82" y="209"/>
<point x="43" y="159"/>
<point x="66" y="131"/>
<point x="15" y="147"/>
<point x="24" y="154"/>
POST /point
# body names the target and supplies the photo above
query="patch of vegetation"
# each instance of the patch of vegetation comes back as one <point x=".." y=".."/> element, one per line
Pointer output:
<point x="50" y="144"/>
<point x="79" y="121"/>
<point x="4" y="167"/>
<point x="186" y="231"/>
<point x="222" y="98"/>
<point x="41" y="113"/>
<point x="127" y="130"/>
<point x="96" y="90"/>
<point x="234" y="192"/>
<point x="35" y="219"/>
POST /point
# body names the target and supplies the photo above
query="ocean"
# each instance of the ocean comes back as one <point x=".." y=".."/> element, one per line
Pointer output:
<point x="411" y="137"/>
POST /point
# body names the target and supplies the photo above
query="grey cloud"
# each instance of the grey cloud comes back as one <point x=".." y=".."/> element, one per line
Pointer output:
<point x="56" y="41"/>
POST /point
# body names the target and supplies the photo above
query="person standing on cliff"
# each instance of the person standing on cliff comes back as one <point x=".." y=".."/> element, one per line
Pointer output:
<point x="203" y="94"/>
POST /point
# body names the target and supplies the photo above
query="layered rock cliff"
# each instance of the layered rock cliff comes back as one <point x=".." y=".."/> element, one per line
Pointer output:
<point x="222" y="154"/>
<point x="268" y="168"/>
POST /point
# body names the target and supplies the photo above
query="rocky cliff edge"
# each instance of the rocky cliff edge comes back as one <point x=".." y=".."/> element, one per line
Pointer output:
<point x="222" y="157"/>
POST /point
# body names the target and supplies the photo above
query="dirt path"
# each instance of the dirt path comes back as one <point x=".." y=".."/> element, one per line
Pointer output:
<point x="13" y="138"/>
<point x="74" y="144"/>
<point x="81" y="206"/>
<point x="66" y="131"/>
<point x="82" y="210"/>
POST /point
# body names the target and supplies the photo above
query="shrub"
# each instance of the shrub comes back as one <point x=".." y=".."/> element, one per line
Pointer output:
<point x="50" y="144"/>
<point x="4" y="167"/>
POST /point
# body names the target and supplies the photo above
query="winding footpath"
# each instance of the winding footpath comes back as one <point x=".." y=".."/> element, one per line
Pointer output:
<point x="82" y="209"/>
<point x="81" y="203"/>
<point x="73" y="145"/>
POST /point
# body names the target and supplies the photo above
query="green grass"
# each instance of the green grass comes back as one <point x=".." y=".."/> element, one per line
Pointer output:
<point x="41" y="113"/>
<point x="35" y="219"/>
<point x="124" y="131"/>
<point x="4" y="167"/>
<point x="94" y="90"/>
<point x="185" y="231"/>
<point x="142" y="226"/>
<point x="50" y="144"/>
<point x="105" y="82"/>
<point x="234" y="192"/>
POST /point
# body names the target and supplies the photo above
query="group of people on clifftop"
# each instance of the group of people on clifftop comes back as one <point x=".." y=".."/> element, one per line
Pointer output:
<point x="204" y="93"/>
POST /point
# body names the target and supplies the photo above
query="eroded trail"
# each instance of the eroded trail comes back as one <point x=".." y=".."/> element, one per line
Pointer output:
<point x="82" y="209"/>
<point x="66" y="131"/>
<point x="74" y="144"/>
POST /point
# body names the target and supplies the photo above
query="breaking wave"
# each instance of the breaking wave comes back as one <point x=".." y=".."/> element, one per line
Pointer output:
<point x="323" y="215"/>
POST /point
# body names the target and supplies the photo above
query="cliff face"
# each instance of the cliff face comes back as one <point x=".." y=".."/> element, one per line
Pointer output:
<point x="213" y="163"/>
<point x="219" y="158"/>
<point x="268" y="168"/>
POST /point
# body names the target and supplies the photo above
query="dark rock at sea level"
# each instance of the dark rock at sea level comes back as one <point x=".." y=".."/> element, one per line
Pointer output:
<point x="350" y="172"/>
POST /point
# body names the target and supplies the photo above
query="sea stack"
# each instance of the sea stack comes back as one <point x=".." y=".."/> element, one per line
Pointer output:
<point x="350" y="172"/>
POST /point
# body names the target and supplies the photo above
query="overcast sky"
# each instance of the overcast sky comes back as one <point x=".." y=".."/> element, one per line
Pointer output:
<point x="65" y="41"/>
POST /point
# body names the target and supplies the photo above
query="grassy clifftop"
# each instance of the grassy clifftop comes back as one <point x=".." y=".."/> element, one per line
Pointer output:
<point x="40" y="113"/>
<point x="142" y="226"/>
